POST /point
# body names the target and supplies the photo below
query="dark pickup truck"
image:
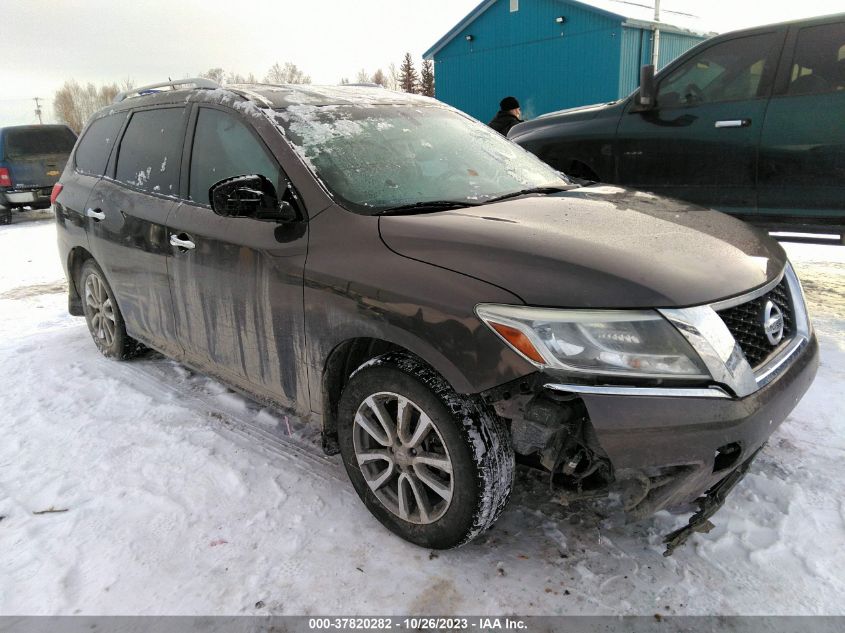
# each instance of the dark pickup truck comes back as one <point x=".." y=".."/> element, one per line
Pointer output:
<point x="32" y="157"/>
<point x="751" y="123"/>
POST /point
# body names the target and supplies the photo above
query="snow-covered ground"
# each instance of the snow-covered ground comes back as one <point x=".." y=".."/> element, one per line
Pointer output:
<point x="175" y="496"/>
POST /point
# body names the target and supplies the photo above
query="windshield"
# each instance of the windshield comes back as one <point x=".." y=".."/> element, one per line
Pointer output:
<point x="387" y="156"/>
<point x="33" y="141"/>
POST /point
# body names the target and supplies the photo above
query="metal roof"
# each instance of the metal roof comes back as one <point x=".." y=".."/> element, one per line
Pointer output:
<point x="627" y="12"/>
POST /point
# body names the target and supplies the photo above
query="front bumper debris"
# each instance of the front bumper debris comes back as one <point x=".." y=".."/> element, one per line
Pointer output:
<point x="658" y="448"/>
<point x="708" y="504"/>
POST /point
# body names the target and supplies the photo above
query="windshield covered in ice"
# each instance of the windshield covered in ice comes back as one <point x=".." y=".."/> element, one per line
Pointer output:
<point x="380" y="157"/>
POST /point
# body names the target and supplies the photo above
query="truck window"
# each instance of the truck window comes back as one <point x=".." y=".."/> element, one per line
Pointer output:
<point x="224" y="147"/>
<point x="728" y="71"/>
<point x="819" y="62"/>
<point x="151" y="150"/>
<point x="39" y="140"/>
<point x="95" y="145"/>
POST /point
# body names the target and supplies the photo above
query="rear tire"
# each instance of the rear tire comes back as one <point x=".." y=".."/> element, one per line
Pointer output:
<point x="5" y="215"/>
<point x="437" y="475"/>
<point x="103" y="316"/>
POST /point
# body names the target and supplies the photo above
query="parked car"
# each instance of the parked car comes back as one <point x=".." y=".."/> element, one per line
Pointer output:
<point x="749" y="122"/>
<point x="31" y="159"/>
<point x="436" y="298"/>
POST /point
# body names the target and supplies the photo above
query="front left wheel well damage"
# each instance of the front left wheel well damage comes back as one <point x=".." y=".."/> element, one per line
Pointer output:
<point x="552" y="432"/>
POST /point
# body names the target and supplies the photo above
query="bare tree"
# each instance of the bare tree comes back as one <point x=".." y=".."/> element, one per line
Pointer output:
<point x="392" y="77"/>
<point x="237" y="78"/>
<point x="363" y="77"/>
<point x="408" y="78"/>
<point x="287" y="74"/>
<point x="427" y="78"/>
<point x="344" y="81"/>
<point x="379" y="78"/>
<point x="215" y="74"/>
<point x="73" y="104"/>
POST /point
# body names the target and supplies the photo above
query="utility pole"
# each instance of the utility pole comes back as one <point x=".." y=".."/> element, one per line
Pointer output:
<point x="655" y="43"/>
<point x="37" y="109"/>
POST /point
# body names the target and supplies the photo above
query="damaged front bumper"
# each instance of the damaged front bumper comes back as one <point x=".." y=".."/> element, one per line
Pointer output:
<point x="660" y="448"/>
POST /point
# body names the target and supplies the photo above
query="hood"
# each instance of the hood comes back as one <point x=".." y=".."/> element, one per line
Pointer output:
<point x="599" y="247"/>
<point x="582" y="113"/>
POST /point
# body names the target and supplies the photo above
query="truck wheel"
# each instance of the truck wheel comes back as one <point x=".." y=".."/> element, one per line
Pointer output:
<point x="105" y="322"/>
<point x="435" y="467"/>
<point x="5" y="215"/>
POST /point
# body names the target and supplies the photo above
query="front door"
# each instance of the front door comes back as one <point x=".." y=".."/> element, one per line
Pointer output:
<point x="127" y="217"/>
<point x="700" y="141"/>
<point x="802" y="153"/>
<point x="237" y="282"/>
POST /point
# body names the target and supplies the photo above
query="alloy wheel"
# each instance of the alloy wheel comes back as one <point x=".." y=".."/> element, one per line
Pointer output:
<point x="103" y="322"/>
<point x="403" y="457"/>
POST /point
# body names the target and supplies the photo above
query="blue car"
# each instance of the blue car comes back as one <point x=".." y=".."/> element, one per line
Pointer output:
<point x="32" y="157"/>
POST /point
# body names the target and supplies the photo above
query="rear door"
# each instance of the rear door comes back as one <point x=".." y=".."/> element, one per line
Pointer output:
<point x="128" y="216"/>
<point x="700" y="142"/>
<point x="802" y="151"/>
<point x="90" y="161"/>
<point x="237" y="282"/>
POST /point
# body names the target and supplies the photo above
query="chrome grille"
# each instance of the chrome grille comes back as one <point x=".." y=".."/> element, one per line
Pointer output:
<point x="745" y="322"/>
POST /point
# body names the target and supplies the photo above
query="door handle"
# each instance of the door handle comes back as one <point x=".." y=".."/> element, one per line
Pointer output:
<point x="733" y="123"/>
<point x="182" y="241"/>
<point x="95" y="214"/>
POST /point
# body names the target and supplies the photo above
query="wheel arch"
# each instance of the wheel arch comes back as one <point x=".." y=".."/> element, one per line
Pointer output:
<point x="75" y="260"/>
<point x="351" y="353"/>
<point x="583" y="170"/>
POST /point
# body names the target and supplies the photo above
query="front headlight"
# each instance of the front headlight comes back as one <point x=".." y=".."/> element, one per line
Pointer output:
<point x="611" y="342"/>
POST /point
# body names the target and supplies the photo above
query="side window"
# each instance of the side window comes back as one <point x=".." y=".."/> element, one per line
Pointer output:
<point x="225" y="147"/>
<point x="151" y="150"/>
<point x="819" y="62"/>
<point x="729" y="71"/>
<point x="95" y="146"/>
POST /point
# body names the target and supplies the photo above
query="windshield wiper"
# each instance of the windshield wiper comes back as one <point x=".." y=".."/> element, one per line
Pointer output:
<point x="525" y="192"/>
<point x="424" y="207"/>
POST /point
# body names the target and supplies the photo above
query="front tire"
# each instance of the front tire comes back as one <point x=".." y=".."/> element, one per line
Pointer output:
<point x="433" y="466"/>
<point x="103" y="316"/>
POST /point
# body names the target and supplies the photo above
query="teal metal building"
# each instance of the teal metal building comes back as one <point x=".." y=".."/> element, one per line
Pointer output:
<point x="552" y="54"/>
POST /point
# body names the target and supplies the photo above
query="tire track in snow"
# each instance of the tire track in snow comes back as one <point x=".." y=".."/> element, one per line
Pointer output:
<point x="156" y="375"/>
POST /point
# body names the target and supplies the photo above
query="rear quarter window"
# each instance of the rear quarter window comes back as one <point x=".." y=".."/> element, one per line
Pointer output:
<point x="94" y="148"/>
<point x="151" y="150"/>
<point x="819" y="62"/>
<point x="38" y="141"/>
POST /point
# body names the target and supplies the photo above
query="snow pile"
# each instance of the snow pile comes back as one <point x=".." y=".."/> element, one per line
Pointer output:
<point x="166" y="493"/>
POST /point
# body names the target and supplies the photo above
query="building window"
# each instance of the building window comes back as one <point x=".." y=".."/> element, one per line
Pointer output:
<point x="514" y="6"/>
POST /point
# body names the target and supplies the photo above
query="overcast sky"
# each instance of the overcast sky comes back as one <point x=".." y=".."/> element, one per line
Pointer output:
<point x="46" y="42"/>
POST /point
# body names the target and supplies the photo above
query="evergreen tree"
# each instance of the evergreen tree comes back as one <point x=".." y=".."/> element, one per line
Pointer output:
<point x="427" y="78"/>
<point x="408" y="78"/>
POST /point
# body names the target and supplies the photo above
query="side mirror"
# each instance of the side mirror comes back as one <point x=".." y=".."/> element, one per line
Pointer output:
<point x="647" y="99"/>
<point x="249" y="196"/>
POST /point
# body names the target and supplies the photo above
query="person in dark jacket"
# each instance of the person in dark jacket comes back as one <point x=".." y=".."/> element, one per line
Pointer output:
<point x="509" y="115"/>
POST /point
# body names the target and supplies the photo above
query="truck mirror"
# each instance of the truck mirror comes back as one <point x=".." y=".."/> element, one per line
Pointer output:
<point x="648" y="90"/>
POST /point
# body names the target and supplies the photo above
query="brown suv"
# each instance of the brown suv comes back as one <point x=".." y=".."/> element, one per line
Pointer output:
<point x="437" y="299"/>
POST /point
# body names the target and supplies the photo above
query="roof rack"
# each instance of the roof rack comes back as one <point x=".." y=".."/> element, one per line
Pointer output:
<point x="197" y="82"/>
